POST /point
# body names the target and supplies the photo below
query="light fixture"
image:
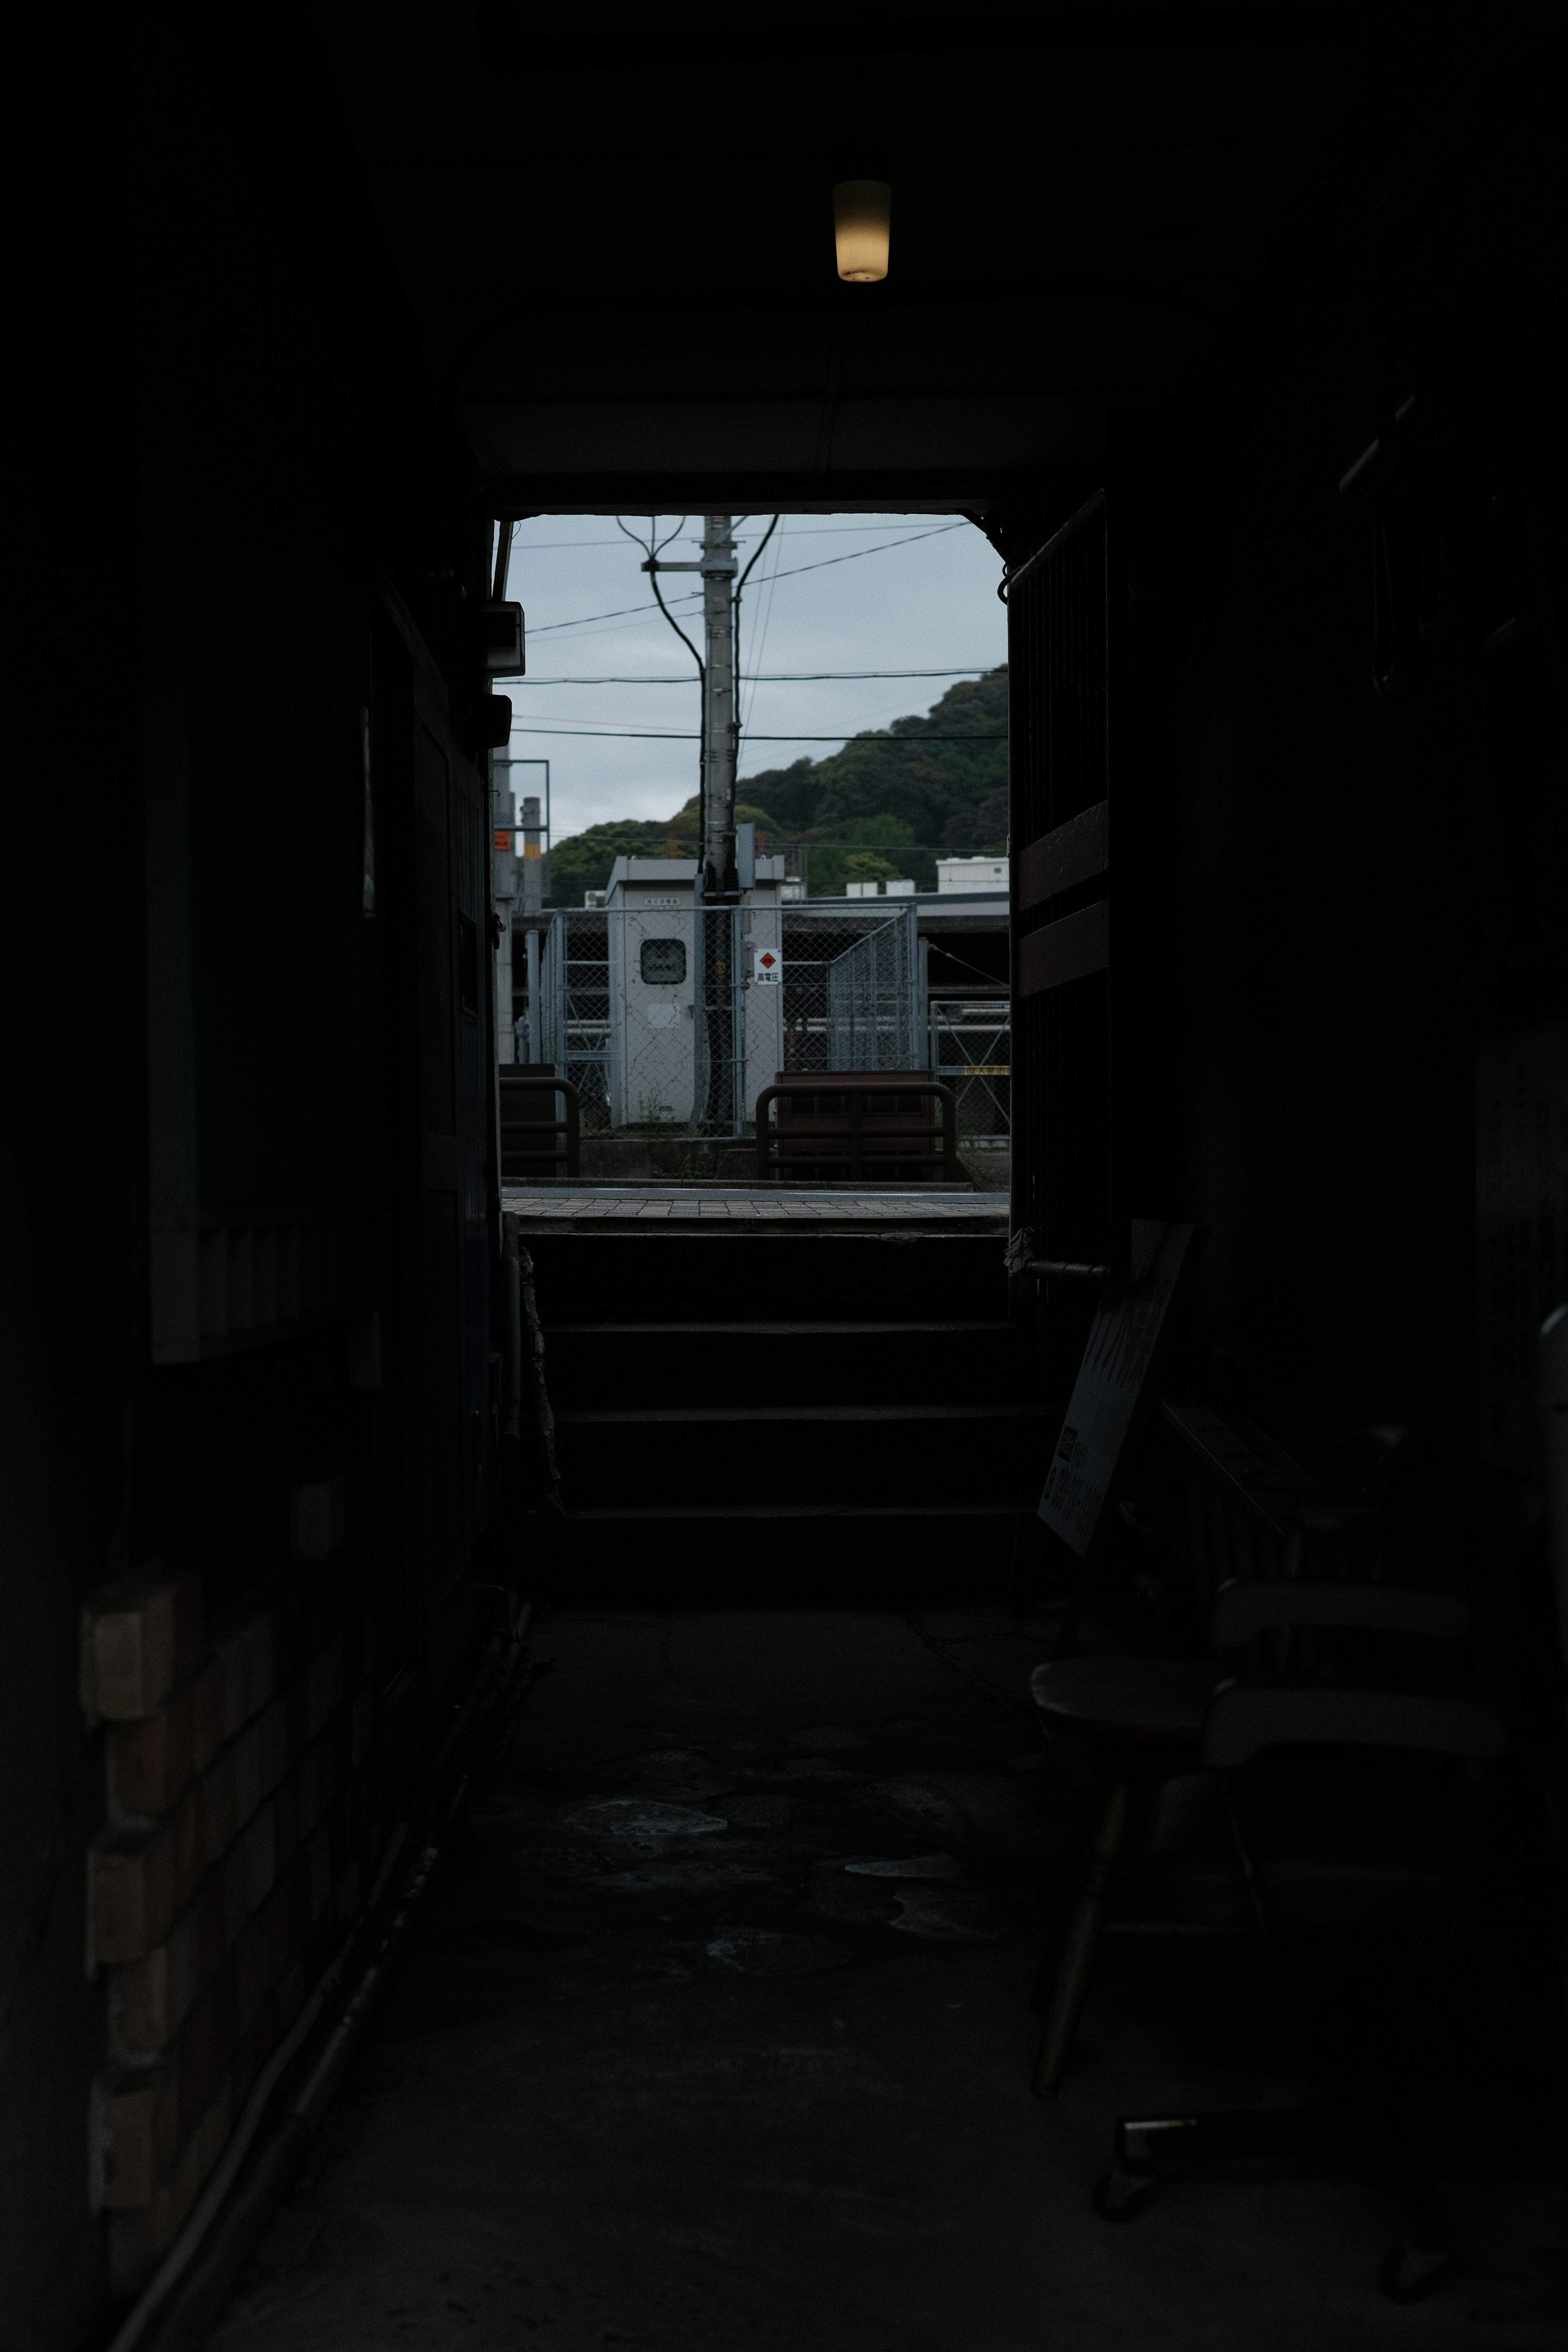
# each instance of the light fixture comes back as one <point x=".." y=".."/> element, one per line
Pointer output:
<point x="862" y="215"/>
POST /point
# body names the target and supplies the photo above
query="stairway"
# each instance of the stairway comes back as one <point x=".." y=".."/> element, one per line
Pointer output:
<point x="812" y="1416"/>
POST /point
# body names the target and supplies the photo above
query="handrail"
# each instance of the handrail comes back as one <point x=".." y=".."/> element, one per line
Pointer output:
<point x="571" y="1127"/>
<point x="882" y="1144"/>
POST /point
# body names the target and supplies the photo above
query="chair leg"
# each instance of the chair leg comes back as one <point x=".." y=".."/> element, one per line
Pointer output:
<point x="1411" y="2270"/>
<point x="1243" y="1857"/>
<point x="1408" y="2271"/>
<point x="1104" y="1843"/>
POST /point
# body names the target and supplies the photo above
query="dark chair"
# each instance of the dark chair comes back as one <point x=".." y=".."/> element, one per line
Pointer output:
<point x="1148" y="1720"/>
<point x="1326" y="1828"/>
<point x="1254" y="1521"/>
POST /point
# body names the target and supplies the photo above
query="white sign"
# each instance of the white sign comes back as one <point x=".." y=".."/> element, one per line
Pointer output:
<point x="767" y="968"/>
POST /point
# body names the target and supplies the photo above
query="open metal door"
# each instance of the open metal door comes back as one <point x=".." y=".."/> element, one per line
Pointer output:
<point x="444" y="1051"/>
<point x="1065" y="1177"/>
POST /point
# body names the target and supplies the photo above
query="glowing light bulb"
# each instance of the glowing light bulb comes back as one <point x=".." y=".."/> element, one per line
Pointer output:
<point x="862" y="216"/>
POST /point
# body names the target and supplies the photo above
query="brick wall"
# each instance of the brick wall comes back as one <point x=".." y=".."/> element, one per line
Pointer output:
<point x="243" y="1814"/>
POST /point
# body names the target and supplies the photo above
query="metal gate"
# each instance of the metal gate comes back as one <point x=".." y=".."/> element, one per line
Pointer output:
<point x="574" y="1026"/>
<point x="851" y="988"/>
<point x="971" y="1050"/>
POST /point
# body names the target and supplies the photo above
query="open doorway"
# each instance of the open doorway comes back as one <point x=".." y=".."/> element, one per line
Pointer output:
<point x="803" y="732"/>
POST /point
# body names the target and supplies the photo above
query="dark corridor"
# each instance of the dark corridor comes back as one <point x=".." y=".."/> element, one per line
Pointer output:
<point x="721" y="2036"/>
<point x="362" y="1982"/>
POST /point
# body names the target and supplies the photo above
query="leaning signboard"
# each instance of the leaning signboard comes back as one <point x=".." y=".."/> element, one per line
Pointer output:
<point x="1115" y="1385"/>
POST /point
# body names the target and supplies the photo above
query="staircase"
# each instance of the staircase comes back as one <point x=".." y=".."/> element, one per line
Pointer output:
<point x="811" y="1416"/>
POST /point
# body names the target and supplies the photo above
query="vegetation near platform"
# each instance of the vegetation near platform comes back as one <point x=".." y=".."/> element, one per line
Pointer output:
<point x="885" y="806"/>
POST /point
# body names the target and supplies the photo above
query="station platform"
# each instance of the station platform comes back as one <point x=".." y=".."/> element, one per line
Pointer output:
<point x="560" y="1207"/>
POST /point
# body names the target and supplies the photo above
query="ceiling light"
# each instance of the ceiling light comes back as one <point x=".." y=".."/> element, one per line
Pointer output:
<point x="862" y="212"/>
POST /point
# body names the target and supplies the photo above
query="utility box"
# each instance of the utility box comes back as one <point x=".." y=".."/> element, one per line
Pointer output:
<point x="696" y="999"/>
<point x="651" y="949"/>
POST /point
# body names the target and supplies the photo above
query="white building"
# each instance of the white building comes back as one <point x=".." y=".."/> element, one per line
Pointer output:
<point x="971" y="873"/>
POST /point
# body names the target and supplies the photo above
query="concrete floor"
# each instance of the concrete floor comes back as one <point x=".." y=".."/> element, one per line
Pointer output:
<point x="665" y="2074"/>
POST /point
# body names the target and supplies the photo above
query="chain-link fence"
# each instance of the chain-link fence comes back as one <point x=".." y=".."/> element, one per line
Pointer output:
<point x="574" y="1010"/>
<point x="658" y="1012"/>
<point x="667" y="1015"/>
<point x="970" y="1046"/>
<point x="851" y="990"/>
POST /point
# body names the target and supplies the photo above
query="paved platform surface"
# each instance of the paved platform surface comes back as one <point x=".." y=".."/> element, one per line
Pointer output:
<point x="673" y="1204"/>
<point x="718" y="2040"/>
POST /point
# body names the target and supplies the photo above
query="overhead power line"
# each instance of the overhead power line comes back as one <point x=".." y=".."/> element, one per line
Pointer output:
<point x="548" y="628"/>
<point x="780" y="677"/>
<point x="665" y="735"/>
<point x="829" y="530"/>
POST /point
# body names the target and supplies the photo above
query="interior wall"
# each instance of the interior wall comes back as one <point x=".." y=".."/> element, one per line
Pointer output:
<point x="1352" y="702"/>
<point x="192" y="443"/>
<point x="71" y="1259"/>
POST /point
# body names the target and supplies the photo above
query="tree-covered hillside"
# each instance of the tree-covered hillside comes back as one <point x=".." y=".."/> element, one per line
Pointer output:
<point x="884" y="805"/>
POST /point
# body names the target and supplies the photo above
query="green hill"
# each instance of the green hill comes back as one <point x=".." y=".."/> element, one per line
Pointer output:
<point x="883" y="806"/>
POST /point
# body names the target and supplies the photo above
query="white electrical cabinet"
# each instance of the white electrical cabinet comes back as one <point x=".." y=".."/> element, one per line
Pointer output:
<point x="661" y="1045"/>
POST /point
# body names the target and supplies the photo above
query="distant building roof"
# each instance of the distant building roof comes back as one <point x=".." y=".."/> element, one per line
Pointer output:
<point x="968" y="874"/>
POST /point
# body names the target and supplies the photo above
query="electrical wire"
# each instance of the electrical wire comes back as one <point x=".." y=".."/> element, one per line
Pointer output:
<point x="751" y="566"/>
<point x="654" y="541"/>
<point x="993" y="978"/>
<point x="587" y="620"/>
<point x="735" y="637"/>
<point x="855" y="553"/>
<point x="668" y="735"/>
<point x="782" y="677"/>
<point x="654" y="544"/>
<point x="827" y="530"/>
<point x="664" y="608"/>
<point x="759" y="634"/>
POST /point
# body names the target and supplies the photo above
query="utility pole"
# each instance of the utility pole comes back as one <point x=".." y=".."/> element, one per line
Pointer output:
<point x="719" y="711"/>
<point x="503" y="897"/>
<point x="716" y="852"/>
<point x="530" y="874"/>
<point x="718" y="889"/>
<point x="518" y="870"/>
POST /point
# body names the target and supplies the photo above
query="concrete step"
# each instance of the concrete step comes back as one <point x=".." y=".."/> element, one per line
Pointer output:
<point x="730" y="1274"/>
<point x="826" y="1360"/>
<point x="907" y="1455"/>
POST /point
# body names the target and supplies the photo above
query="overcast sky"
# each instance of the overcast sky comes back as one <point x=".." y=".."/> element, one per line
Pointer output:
<point x="929" y="604"/>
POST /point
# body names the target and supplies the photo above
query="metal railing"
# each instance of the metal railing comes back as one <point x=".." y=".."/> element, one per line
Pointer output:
<point x="861" y="1125"/>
